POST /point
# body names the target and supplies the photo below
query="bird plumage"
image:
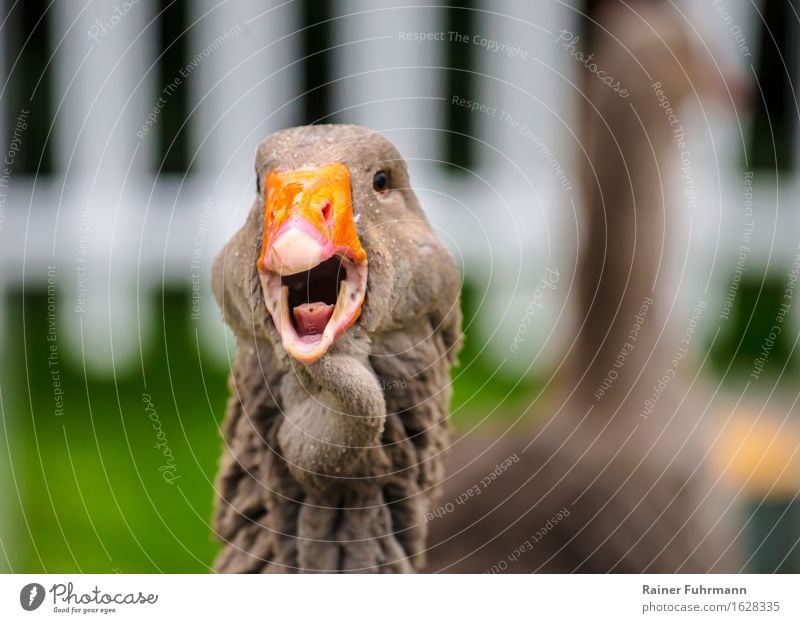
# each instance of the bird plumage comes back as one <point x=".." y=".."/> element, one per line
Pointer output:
<point x="330" y="466"/>
<point x="625" y="446"/>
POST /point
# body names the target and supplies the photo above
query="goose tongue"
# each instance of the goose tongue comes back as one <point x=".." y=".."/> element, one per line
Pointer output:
<point x="311" y="318"/>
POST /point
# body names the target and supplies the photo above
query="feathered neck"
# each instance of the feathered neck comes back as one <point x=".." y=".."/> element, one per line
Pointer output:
<point x="333" y="467"/>
<point x="631" y="233"/>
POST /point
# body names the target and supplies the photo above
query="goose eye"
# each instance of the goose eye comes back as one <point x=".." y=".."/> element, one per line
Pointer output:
<point x="381" y="181"/>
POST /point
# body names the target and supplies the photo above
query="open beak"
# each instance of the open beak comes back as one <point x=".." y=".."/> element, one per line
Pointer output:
<point x="312" y="266"/>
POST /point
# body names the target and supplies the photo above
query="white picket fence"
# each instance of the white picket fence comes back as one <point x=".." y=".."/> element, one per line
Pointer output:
<point x="116" y="233"/>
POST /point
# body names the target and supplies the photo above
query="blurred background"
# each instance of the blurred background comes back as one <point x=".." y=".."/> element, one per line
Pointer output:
<point x="129" y="131"/>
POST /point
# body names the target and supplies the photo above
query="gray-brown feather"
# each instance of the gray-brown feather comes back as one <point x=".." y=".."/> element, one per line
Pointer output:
<point x="332" y="466"/>
<point x="641" y="493"/>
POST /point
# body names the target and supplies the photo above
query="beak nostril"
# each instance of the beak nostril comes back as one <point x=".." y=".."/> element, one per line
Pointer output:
<point x="327" y="211"/>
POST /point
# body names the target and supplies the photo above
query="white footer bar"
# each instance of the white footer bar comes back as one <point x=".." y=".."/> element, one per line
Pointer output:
<point x="410" y="599"/>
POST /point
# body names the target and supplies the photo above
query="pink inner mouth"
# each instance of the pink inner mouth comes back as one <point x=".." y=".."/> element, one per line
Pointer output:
<point x="311" y="318"/>
<point x="311" y="308"/>
<point x="312" y="297"/>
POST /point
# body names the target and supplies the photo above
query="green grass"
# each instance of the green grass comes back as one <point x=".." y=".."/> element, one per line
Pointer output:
<point x="482" y="391"/>
<point x="89" y="495"/>
<point x="83" y="490"/>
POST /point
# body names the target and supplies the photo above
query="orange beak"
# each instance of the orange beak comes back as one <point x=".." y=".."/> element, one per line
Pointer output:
<point x="312" y="266"/>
